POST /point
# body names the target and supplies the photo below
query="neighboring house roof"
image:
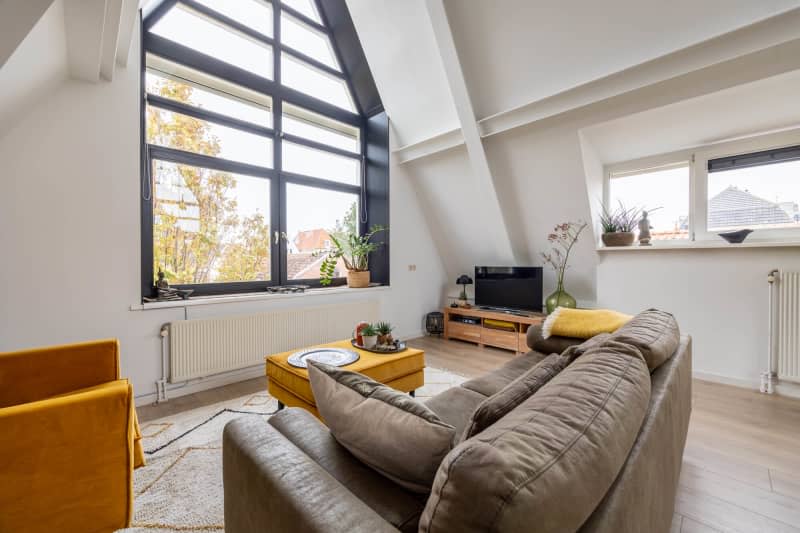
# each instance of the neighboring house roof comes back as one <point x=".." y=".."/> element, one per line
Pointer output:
<point x="735" y="207"/>
<point x="311" y="240"/>
<point x="304" y="265"/>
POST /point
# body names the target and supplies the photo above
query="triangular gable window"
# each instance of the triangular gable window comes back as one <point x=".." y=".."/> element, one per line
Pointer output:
<point x="254" y="139"/>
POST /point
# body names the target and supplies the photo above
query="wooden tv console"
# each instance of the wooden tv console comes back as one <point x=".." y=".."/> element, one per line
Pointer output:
<point x="485" y="335"/>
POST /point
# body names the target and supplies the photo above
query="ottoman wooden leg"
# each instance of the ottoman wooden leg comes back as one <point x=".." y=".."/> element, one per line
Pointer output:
<point x="412" y="393"/>
<point x="280" y="405"/>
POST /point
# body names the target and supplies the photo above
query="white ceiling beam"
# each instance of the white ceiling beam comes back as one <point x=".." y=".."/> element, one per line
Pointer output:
<point x="111" y="30"/>
<point x="84" y="21"/>
<point x="127" y="25"/>
<point x="484" y="181"/>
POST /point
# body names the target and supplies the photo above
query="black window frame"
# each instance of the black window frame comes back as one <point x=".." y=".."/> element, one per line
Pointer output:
<point x="373" y="191"/>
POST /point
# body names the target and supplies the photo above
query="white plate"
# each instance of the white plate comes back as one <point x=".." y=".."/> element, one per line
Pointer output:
<point x="329" y="356"/>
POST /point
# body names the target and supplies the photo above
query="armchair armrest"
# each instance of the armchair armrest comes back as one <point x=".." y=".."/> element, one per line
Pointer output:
<point x="39" y="373"/>
<point x="272" y="485"/>
<point x="66" y="463"/>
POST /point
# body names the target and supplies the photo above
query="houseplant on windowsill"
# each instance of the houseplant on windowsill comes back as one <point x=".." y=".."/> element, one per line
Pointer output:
<point x="354" y="250"/>
<point x="563" y="238"/>
<point x="618" y="225"/>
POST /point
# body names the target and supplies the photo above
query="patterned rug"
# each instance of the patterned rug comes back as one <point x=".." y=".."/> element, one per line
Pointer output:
<point x="180" y="488"/>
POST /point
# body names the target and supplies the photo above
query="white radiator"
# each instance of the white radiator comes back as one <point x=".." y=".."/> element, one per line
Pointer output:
<point x="788" y="326"/>
<point x="200" y="348"/>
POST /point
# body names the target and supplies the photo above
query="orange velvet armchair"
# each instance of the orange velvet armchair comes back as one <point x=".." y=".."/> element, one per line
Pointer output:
<point x="69" y="440"/>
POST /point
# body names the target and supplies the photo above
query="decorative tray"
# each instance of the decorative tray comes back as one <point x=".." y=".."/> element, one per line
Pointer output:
<point x="329" y="356"/>
<point x="398" y="347"/>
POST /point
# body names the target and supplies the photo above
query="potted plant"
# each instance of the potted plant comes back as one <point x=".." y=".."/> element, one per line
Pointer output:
<point x="370" y="336"/>
<point x="354" y="250"/>
<point x="384" y="330"/>
<point x="618" y="225"/>
<point x="563" y="238"/>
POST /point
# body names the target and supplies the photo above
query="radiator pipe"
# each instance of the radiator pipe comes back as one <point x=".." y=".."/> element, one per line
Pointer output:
<point x="768" y="377"/>
<point x="161" y="385"/>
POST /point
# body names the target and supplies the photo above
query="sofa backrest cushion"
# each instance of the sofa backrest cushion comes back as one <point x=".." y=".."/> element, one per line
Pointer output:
<point x="386" y="429"/>
<point x="655" y="333"/>
<point x="553" y="458"/>
<point x="509" y="397"/>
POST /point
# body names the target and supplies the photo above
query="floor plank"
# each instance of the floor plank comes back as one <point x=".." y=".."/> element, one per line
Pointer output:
<point x="692" y="526"/>
<point x="785" y="483"/>
<point x="750" y="497"/>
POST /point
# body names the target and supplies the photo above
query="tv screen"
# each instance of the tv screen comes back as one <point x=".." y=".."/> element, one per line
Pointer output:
<point x="509" y="288"/>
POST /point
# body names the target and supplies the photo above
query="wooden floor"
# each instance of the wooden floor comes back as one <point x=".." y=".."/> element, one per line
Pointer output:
<point x="741" y="469"/>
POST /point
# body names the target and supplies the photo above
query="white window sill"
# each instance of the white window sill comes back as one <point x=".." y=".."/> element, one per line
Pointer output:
<point x="697" y="245"/>
<point x="251" y="297"/>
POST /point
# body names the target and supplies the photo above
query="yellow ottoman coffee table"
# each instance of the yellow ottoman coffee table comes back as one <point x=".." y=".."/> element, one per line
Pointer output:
<point x="403" y="371"/>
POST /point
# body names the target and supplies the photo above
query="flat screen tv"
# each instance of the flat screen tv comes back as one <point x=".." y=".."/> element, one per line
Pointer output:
<point x="508" y="288"/>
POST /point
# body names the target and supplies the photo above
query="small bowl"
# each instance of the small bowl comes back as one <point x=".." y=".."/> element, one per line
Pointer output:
<point x="735" y="237"/>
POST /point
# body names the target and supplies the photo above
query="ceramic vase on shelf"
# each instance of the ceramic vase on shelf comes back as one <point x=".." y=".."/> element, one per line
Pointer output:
<point x="560" y="298"/>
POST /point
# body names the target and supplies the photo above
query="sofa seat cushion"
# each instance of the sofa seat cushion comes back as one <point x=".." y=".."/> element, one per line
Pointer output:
<point x="386" y="429"/>
<point x="396" y="505"/>
<point x="496" y="380"/>
<point x="509" y="397"/>
<point x="455" y="406"/>
<point x="553" y="458"/>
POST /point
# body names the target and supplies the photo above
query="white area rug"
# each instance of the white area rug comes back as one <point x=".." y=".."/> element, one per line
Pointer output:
<point x="180" y="488"/>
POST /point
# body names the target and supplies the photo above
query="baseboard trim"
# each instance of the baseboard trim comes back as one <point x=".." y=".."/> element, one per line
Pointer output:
<point x="788" y="389"/>
<point x="202" y="384"/>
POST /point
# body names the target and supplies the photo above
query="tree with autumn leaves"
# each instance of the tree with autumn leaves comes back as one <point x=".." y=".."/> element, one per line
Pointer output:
<point x="198" y="234"/>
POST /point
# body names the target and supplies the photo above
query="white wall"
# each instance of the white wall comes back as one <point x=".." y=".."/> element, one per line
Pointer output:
<point x="71" y="240"/>
<point x="718" y="296"/>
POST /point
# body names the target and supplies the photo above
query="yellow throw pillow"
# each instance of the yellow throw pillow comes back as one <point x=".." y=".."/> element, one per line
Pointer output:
<point x="582" y="323"/>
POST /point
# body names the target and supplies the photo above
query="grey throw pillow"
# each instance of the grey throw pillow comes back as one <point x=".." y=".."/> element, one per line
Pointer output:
<point x="512" y="395"/>
<point x="384" y="428"/>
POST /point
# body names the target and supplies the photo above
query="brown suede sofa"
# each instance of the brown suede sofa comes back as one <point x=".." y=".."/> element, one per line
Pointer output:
<point x="597" y="449"/>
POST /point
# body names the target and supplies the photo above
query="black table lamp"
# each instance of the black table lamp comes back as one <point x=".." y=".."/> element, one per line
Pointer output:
<point x="464" y="280"/>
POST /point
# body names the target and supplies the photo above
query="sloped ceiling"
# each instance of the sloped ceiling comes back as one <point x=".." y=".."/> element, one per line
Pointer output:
<point x="36" y="65"/>
<point x="759" y="107"/>
<point x="515" y="51"/>
<point x="401" y="51"/>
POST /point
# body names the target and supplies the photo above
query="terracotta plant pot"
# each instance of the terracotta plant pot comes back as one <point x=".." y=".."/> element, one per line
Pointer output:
<point x="357" y="280"/>
<point x="618" y="238"/>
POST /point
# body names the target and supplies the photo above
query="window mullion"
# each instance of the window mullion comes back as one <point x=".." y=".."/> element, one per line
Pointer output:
<point x="277" y="121"/>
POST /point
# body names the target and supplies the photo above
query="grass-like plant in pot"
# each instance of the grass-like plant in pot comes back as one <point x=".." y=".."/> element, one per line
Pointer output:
<point x="618" y="225"/>
<point x="370" y="336"/>
<point x="354" y="250"/>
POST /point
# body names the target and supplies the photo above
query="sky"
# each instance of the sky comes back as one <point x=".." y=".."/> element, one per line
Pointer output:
<point x="307" y="208"/>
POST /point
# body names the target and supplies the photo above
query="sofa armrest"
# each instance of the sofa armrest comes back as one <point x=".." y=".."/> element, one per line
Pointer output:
<point x="38" y="373"/>
<point x="66" y="463"/>
<point x="272" y="485"/>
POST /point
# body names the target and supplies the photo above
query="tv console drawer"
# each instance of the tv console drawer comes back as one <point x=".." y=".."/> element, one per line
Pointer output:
<point x="500" y="338"/>
<point x="467" y="332"/>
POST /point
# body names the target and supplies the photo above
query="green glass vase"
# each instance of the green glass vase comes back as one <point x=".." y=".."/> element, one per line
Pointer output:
<point x="559" y="298"/>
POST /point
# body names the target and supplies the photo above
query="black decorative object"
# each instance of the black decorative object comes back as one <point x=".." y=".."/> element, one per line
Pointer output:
<point x="464" y="280"/>
<point x="434" y="323"/>
<point x="287" y="289"/>
<point x="735" y="237"/>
